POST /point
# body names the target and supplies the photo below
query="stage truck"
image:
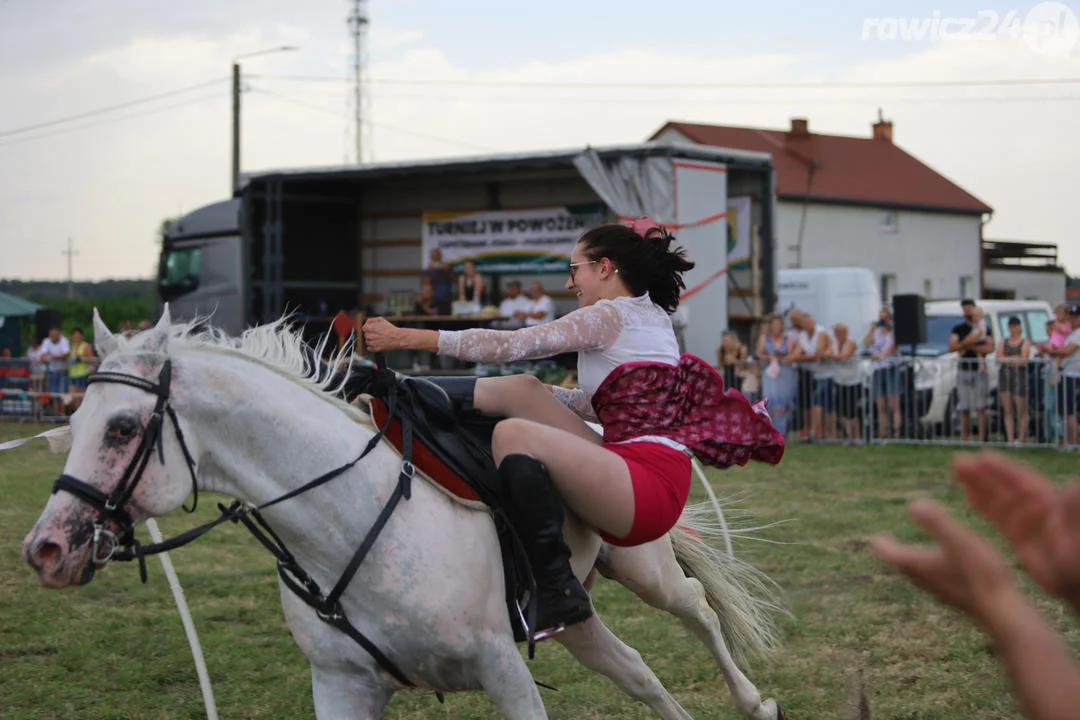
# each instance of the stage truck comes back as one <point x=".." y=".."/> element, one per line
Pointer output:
<point x="314" y="242"/>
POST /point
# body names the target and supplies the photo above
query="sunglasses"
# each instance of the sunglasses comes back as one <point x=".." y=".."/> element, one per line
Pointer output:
<point x="575" y="266"/>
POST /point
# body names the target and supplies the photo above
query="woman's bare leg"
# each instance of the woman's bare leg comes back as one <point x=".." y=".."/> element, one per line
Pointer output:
<point x="524" y="396"/>
<point x="1007" y="413"/>
<point x="1021" y="417"/>
<point x="593" y="482"/>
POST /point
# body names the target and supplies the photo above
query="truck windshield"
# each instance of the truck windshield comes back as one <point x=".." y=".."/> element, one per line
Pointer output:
<point x="179" y="272"/>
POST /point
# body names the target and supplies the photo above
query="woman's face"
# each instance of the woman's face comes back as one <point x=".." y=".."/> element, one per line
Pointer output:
<point x="1060" y="312"/>
<point x="470" y="268"/>
<point x="1015" y="329"/>
<point x="776" y="326"/>
<point x="585" y="277"/>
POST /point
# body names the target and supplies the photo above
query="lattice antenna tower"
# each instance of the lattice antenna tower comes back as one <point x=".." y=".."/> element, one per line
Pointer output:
<point x="361" y="101"/>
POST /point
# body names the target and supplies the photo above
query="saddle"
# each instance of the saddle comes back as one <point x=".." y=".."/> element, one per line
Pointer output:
<point x="452" y="446"/>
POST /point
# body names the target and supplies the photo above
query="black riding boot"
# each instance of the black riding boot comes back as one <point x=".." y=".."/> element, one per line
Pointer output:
<point x="535" y="510"/>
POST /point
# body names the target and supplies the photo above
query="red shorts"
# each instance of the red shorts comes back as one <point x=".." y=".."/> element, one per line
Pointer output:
<point x="661" y="479"/>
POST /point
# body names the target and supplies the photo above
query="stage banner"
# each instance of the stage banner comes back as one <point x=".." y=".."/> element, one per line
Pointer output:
<point x="738" y="232"/>
<point x="537" y="240"/>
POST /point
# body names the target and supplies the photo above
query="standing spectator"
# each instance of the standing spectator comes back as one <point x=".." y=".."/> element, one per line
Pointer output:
<point x="779" y="381"/>
<point x="814" y="343"/>
<point x="513" y="307"/>
<point x="442" y="281"/>
<point x="881" y="340"/>
<point x="1069" y="380"/>
<point x="1012" y="354"/>
<point x="847" y="373"/>
<point x="37" y="366"/>
<point x="1052" y="426"/>
<point x="972" y="385"/>
<point x="55" y="350"/>
<point x="804" y="374"/>
<point x="541" y="308"/>
<point x="730" y="359"/>
<point x="471" y="285"/>
<point x="82" y="360"/>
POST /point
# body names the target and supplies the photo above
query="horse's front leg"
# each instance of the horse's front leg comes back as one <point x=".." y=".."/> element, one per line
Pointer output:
<point x="345" y="695"/>
<point x="507" y="681"/>
<point x="652" y="572"/>
<point x="596" y="647"/>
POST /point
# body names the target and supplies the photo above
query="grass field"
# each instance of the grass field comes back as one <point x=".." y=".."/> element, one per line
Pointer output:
<point x="116" y="648"/>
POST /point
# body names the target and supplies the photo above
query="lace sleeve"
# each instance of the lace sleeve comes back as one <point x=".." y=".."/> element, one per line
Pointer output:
<point x="577" y="400"/>
<point x="594" y="327"/>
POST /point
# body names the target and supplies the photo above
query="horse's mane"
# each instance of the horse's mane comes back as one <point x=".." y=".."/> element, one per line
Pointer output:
<point x="278" y="346"/>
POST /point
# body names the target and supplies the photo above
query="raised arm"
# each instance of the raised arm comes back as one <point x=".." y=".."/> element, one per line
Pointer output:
<point x="590" y="328"/>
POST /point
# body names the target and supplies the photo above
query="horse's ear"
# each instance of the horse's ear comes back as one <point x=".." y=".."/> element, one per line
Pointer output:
<point x="156" y="338"/>
<point x="165" y="322"/>
<point x="104" y="340"/>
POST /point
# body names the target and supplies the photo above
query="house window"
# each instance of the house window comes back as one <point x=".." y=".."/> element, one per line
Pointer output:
<point x="888" y="287"/>
<point x="888" y="222"/>
<point x="928" y="289"/>
<point x="967" y="284"/>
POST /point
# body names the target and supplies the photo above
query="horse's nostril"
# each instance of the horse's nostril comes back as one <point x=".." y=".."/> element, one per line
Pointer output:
<point x="44" y="554"/>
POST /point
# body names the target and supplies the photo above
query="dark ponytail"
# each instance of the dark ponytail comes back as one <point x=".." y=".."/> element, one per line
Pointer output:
<point x="646" y="262"/>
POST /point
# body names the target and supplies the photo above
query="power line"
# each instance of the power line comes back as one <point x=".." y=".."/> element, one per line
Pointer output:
<point x="110" y="108"/>
<point x="391" y="128"/>
<point x="729" y="100"/>
<point x="685" y="85"/>
<point x="109" y="121"/>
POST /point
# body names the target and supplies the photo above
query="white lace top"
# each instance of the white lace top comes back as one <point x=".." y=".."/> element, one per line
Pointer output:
<point x="605" y="335"/>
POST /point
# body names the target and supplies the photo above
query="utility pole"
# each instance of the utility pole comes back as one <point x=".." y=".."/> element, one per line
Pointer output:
<point x="358" y="22"/>
<point x="71" y="276"/>
<point x="235" y="128"/>
<point x="236" y="90"/>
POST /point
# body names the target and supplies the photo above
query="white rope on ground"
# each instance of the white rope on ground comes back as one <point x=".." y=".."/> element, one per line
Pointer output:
<point x="716" y="505"/>
<point x="189" y="625"/>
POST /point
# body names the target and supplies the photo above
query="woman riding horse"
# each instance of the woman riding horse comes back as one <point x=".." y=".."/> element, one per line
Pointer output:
<point x="657" y="408"/>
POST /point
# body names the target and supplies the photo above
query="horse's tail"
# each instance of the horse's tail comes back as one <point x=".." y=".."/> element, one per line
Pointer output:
<point x="743" y="597"/>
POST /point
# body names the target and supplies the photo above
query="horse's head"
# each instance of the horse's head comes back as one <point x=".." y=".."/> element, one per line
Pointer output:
<point x="123" y="445"/>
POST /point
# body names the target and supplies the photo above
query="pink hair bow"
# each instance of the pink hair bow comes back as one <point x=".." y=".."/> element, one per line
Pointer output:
<point x="642" y="225"/>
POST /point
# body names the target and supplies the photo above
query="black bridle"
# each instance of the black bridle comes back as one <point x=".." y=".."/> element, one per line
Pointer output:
<point x="109" y="546"/>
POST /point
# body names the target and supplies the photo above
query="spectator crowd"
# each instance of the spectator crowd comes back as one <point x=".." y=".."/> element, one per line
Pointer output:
<point x="842" y="384"/>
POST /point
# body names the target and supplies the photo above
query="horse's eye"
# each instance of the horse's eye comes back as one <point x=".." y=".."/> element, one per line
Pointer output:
<point x="121" y="430"/>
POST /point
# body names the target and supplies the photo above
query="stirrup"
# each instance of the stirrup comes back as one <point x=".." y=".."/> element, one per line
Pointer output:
<point x="539" y="635"/>
<point x="548" y="633"/>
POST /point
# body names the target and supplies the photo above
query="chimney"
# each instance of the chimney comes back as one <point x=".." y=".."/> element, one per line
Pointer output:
<point x="882" y="128"/>
<point x="800" y="127"/>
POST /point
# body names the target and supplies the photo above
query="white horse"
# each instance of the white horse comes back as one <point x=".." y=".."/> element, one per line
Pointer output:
<point x="257" y="421"/>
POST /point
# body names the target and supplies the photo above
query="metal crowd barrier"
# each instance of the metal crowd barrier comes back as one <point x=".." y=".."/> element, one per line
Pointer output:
<point x="23" y="394"/>
<point x="938" y="400"/>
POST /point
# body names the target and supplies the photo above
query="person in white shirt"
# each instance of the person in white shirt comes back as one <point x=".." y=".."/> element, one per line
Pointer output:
<point x="541" y="307"/>
<point x="514" y="306"/>
<point x="815" y="343"/>
<point x="656" y="406"/>
<point x="55" y="350"/>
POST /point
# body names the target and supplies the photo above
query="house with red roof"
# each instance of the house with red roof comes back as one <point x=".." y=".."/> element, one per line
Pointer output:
<point x="863" y="202"/>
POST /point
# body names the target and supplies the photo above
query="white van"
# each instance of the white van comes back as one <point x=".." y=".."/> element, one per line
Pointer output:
<point x="838" y="294"/>
<point x="935" y="367"/>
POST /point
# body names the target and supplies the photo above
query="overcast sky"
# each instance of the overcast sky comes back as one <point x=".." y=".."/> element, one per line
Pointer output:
<point x="108" y="180"/>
